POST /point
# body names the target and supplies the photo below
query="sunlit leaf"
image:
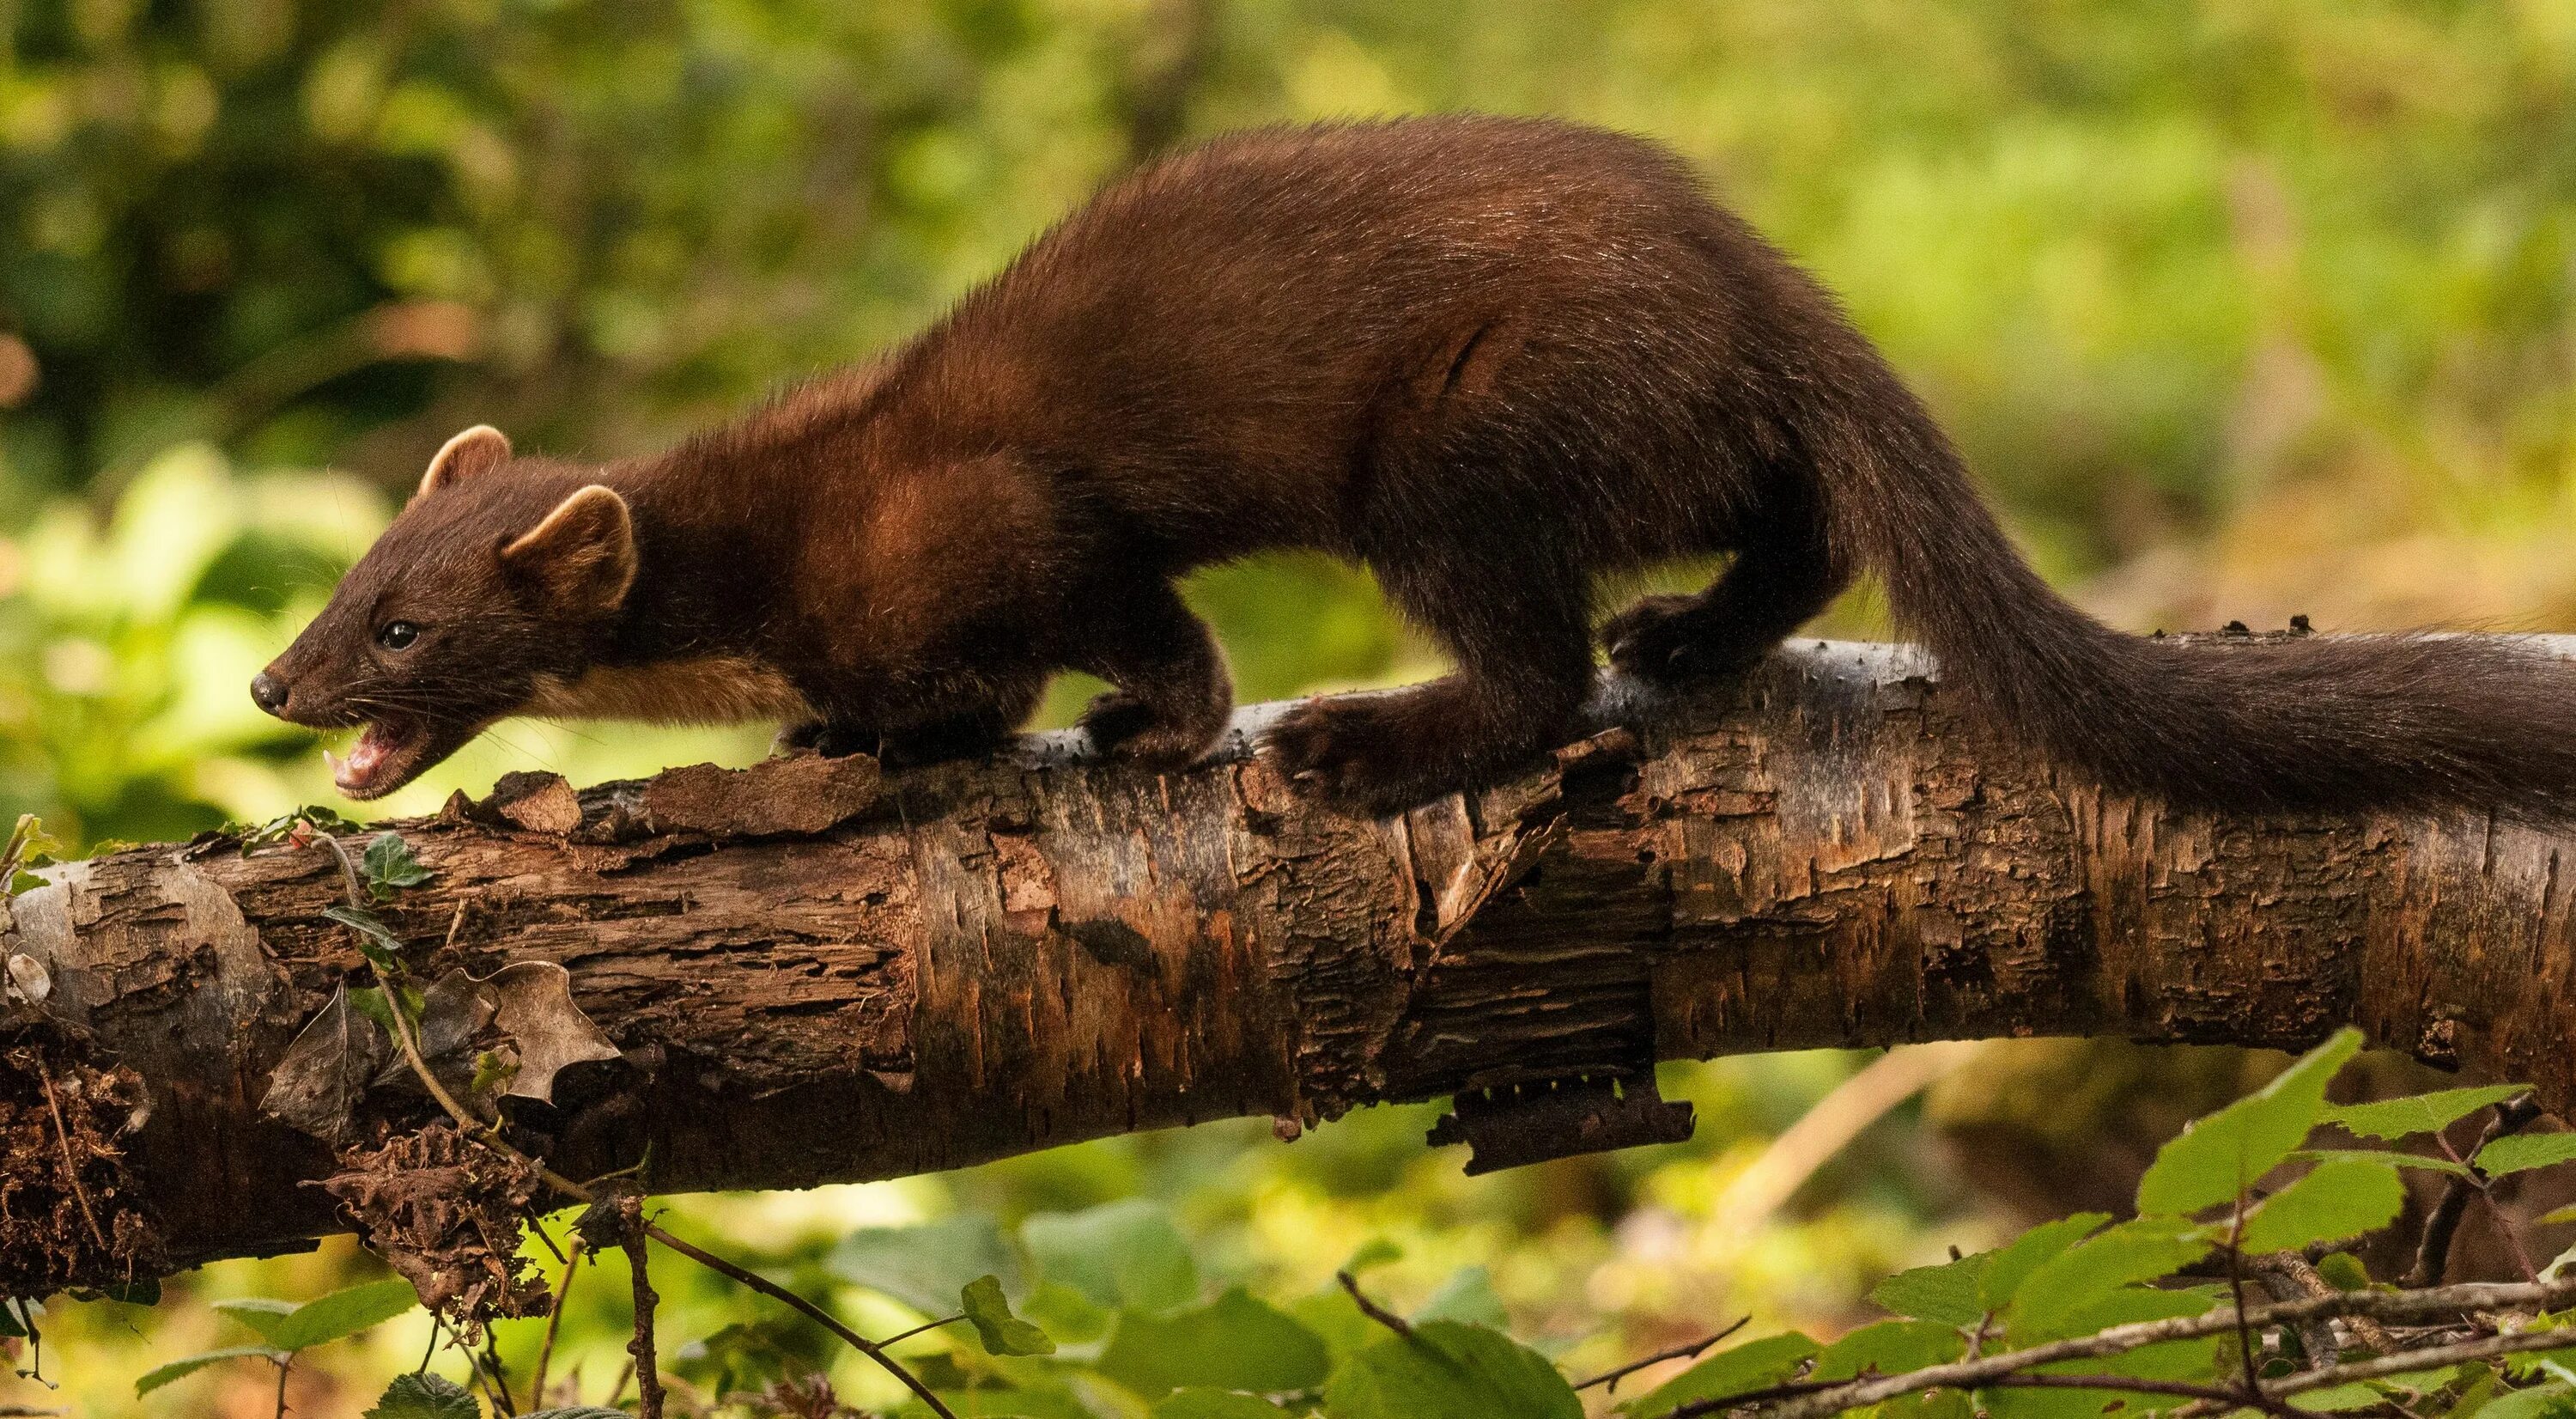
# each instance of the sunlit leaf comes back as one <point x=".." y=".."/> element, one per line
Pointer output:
<point x="1947" y="1293"/>
<point x="1215" y="1404"/>
<point x="2002" y="1276"/>
<point x="2338" y="1199"/>
<point x="180" y="1369"/>
<point x="265" y="1317"/>
<point x="1467" y="1295"/>
<point x="2419" y="1113"/>
<point x="342" y="1313"/>
<point x="2220" y="1156"/>
<point x="1001" y="1332"/>
<point x="1447" y="1369"/>
<point x="2334" y="1399"/>
<point x="924" y="1266"/>
<point x="1756" y="1364"/>
<point x="2521" y="1152"/>
<point x="2384" y="1157"/>
<point x="1889" y="1348"/>
<point x="2074" y="1281"/>
<point x="2554" y="1400"/>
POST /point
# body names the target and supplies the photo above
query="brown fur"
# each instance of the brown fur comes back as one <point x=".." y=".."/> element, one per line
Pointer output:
<point x="1495" y="359"/>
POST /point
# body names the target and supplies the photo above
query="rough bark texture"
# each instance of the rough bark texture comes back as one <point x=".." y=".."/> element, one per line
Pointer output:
<point x="821" y="974"/>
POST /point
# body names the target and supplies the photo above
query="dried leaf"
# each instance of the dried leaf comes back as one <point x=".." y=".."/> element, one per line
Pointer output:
<point x="446" y="1020"/>
<point x="536" y="1009"/>
<point x="325" y="1072"/>
<point x="29" y="980"/>
<point x="445" y="1213"/>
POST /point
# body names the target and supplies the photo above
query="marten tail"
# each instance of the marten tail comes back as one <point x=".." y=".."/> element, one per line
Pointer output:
<point x="2329" y="724"/>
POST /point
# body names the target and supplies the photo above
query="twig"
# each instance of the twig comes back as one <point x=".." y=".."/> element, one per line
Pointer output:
<point x="1811" y="1399"/>
<point x="1691" y="1351"/>
<point x="623" y="1376"/>
<point x="71" y="1164"/>
<point x="2290" y="1276"/>
<point x="648" y="1370"/>
<point x="509" y="1403"/>
<point x="811" y="1311"/>
<point x="2222" y="1394"/>
<point x="2434" y="1256"/>
<point x="281" y="1385"/>
<point x="554" y="1322"/>
<point x="1372" y="1309"/>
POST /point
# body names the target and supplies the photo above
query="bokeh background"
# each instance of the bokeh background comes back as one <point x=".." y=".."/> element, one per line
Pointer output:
<point x="2241" y="309"/>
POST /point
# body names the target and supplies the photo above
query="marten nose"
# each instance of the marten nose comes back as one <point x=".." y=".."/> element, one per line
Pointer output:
<point x="268" y="692"/>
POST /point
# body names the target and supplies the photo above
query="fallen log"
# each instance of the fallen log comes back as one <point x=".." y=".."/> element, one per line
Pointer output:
<point x="819" y="972"/>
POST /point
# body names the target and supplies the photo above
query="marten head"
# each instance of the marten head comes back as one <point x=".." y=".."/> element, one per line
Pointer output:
<point x="499" y="573"/>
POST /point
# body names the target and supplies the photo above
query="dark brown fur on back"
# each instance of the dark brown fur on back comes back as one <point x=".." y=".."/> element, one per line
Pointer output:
<point x="1494" y="359"/>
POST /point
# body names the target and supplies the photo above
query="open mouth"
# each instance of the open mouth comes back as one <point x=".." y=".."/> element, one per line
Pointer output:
<point x="386" y="757"/>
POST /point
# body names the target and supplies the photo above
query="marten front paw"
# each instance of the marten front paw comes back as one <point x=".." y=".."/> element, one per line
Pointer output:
<point x="1362" y="755"/>
<point x="1122" y="725"/>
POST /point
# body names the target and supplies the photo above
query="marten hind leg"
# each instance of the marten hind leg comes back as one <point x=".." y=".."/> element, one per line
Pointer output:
<point x="1524" y="668"/>
<point x="1784" y="573"/>
<point x="1170" y="694"/>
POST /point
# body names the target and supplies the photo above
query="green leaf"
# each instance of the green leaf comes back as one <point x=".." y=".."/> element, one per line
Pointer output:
<point x="2554" y="1400"/>
<point x="2026" y="1253"/>
<point x="925" y="1266"/>
<point x="1467" y="1295"/>
<point x="12" y="1325"/>
<point x="2172" y="1360"/>
<point x="180" y="1369"/>
<point x="1121" y="1254"/>
<point x="2334" y="1399"/>
<point x="1215" y="1404"/>
<point x="1376" y="1251"/>
<point x="1756" y="1364"/>
<point x="1947" y="1293"/>
<point x="2220" y="1156"/>
<point x="426" y="1396"/>
<point x="1002" y="1332"/>
<point x="2521" y="1152"/>
<point x="343" y="1313"/>
<point x="2075" y="1280"/>
<point x="1234" y="1342"/>
<point x="2343" y="1198"/>
<point x="580" y="1411"/>
<point x="388" y="866"/>
<point x="265" y="1317"/>
<point x="2376" y="1155"/>
<point x="2420" y="1113"/>
<point x="1447" y="1369"/>
<point x="2344" y="1271"/>
<point x="376" y="941"/>
<point x="1890" y="1347"/>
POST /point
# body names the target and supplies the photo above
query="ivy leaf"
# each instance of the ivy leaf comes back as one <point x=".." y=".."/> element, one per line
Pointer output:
<point x="1233" y="1342"/>
<point x="318" y="1082"/>
<point x="2074" y="1281"/>
<point x="2220" y="1156"/>
<point x="181" y="1369"/>
<point x="1947" y="1293"/>
<point x="533" y="1004"/>
<point x="924" y="1266"/>
<point x="1118" y="1254"/>
<point x="388" y="866"/>
<point x="1448" y="1369"/>
<point x="426" y="1396"/>
<point x="2420" y="1113"/>
<point x="2521" y="1152"/>
<point x="376" y="941"/>
<point x="342" y="1313"/>
<point x="1002" y="1332"/>
<point x="2002" y="1277"/>
<point x="1755" y="1364"/>
<point x="2338" y="1199"/>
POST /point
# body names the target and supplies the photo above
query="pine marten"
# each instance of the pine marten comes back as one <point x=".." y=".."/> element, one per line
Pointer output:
<point x="1493" y="359"/>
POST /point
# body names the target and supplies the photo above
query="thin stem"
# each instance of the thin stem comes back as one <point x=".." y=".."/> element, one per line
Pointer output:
<point x="1372" y="1309"/>
<point x="922" y="1329"/>
<point x="500" y="1379"/>
<point x="71" y="1164"/>
<point x="554" y="1322"/>
<point x="1678" y="1352"/>
<point x="281" y="1385"/>
<point x="2236" y="1286"/>
<point x="648" y="1370"/>
<point x="811" y="1311"/>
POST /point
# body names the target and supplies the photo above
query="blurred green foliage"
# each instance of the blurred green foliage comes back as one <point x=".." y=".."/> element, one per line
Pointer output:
<point x="2242" y="308"/>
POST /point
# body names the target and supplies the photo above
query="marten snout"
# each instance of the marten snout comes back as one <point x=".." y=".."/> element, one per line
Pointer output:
<point x="269" y="693"/>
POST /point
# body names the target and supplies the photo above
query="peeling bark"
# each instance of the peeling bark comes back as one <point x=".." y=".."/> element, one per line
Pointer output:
<point x="818" y="973"/>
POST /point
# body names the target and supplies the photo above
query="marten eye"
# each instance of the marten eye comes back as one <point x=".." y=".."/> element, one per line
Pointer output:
<point x="397" y="635"/>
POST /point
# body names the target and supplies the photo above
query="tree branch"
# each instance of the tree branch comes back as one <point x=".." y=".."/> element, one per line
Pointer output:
<point x="819" y="973"/>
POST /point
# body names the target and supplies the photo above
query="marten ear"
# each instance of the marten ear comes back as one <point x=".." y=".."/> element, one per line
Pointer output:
<point x="582" y="557"/>
<point x="470" y="454"/>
